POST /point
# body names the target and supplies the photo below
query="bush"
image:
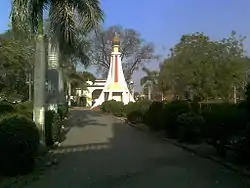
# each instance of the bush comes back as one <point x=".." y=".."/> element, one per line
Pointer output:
<point x="63" y="110"/>
<point x="5" y="108"/>
<point x="135" y="112"/>
<point x="153" y="115"/>
<point x="223" y="120"/>
<point x="189" y="127"/>
<point x="170" y="113"/>
<point x="53" y="125"/>
<point x="19" y="141"/>
<point x="113" y="107"/>
<point x="132" y="112"/>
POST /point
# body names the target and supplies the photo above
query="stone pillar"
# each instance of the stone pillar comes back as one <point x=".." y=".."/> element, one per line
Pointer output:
<point x="110" y="96"/>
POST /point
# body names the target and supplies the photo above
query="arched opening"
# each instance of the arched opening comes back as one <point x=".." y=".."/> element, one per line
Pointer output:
<point x="95" y="95"/>
<point x="82" y="101"/>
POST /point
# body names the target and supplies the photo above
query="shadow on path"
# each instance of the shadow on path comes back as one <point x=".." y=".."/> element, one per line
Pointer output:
<point x="102" y="152"/>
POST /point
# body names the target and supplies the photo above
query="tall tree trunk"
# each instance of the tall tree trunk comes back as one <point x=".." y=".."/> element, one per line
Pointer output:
<point x="30" y="86"/>
<point x="39" y="83"/>
<point x="52" y="76"/>
<point x="133" y="91"/>
<point x="149" y="92"/>
<point x="234" y="94"/>
<point x="69" y="93"/>
<point x="61" y="86"/>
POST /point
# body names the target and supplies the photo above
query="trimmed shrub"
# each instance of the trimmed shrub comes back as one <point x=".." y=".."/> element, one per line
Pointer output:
<point x="106" y="106"/>
<point x="170" y="113"/>
<point x="223" y="120"/>
<point x="135" y="112"/>
<point x="19" y="141"/>
<point x="153" y="116"/>
<point x="5" y="108"/>
<point x="189" y="127"/>
<point x="63" y="110"/>
<point x="53" y="126"/>
<point x="132" y="112"/>
<point x="113" y="107"/>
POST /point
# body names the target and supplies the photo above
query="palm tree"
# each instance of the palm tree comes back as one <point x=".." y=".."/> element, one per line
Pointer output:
<point x="149" y="81"/>
<point x="64" y="17"/>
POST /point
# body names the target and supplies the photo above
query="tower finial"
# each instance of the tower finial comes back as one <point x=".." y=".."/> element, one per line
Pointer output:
<point x="116" y="39"/>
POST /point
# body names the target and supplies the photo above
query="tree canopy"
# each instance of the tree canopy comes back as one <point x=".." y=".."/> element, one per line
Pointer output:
<point x="201" y="68"/>
<point x="16" y="57"/>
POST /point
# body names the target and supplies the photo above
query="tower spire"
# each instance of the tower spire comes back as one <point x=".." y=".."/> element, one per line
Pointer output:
<point x="116" y="42"/>
<point x="116" y="86"/>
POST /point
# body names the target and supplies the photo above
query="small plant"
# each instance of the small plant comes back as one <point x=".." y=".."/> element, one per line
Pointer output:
<point x="53" y="126"/>
<point x="63" y="110"/>
<point x="19" y="140"/>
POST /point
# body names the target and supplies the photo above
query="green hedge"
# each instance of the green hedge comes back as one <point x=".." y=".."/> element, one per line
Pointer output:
<point x="19" y="140"/>
<point x="169" y="114"/>
<point x="220" y="120"/>
<point x="185" y="120"/>
<point x="223" y="120"/>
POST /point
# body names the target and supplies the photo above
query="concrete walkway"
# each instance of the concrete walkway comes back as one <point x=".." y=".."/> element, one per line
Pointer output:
<point x="102" y="152"/>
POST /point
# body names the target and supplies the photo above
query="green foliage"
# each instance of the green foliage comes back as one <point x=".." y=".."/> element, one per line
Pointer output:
<point x="199" y="68"/>
<point x="170" y="113"/>
<point x="149" y="82"/>
<point x="19" y="140"/>
<point x="5" y="108"/>
<point x="135" y="112"/>
<point x="153" y="115"/>
<point x="223" y="119"/>
<point x="113" y="107"/>
<point x="53" y="125"/>
<point x="15" y="56"/>
<point x="132" y="112"/>
<point x="189" y="127"/>
<point x="247" y="97"/>
<point x="63" y="110"/>
<point x="25" y="109"/>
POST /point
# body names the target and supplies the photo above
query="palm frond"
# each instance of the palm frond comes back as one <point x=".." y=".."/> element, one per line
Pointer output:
<point x="146" y="70"/>
<point x="144" y="80"/>
<point x="19" y="16"/>
<point x="89" y="13"/>
<point x="67" y="17"/>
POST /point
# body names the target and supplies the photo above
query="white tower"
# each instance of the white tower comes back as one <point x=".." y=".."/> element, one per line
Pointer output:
<point x="116" y="87"/>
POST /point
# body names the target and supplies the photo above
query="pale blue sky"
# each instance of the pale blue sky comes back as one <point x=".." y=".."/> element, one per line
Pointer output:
<point x="164" y="21"/>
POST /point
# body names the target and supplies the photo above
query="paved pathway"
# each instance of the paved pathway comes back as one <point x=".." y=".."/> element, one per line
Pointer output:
<point x="102" y="152"/>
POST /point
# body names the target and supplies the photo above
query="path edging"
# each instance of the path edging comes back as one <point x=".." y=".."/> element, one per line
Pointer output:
<point x="191" y="150"/>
